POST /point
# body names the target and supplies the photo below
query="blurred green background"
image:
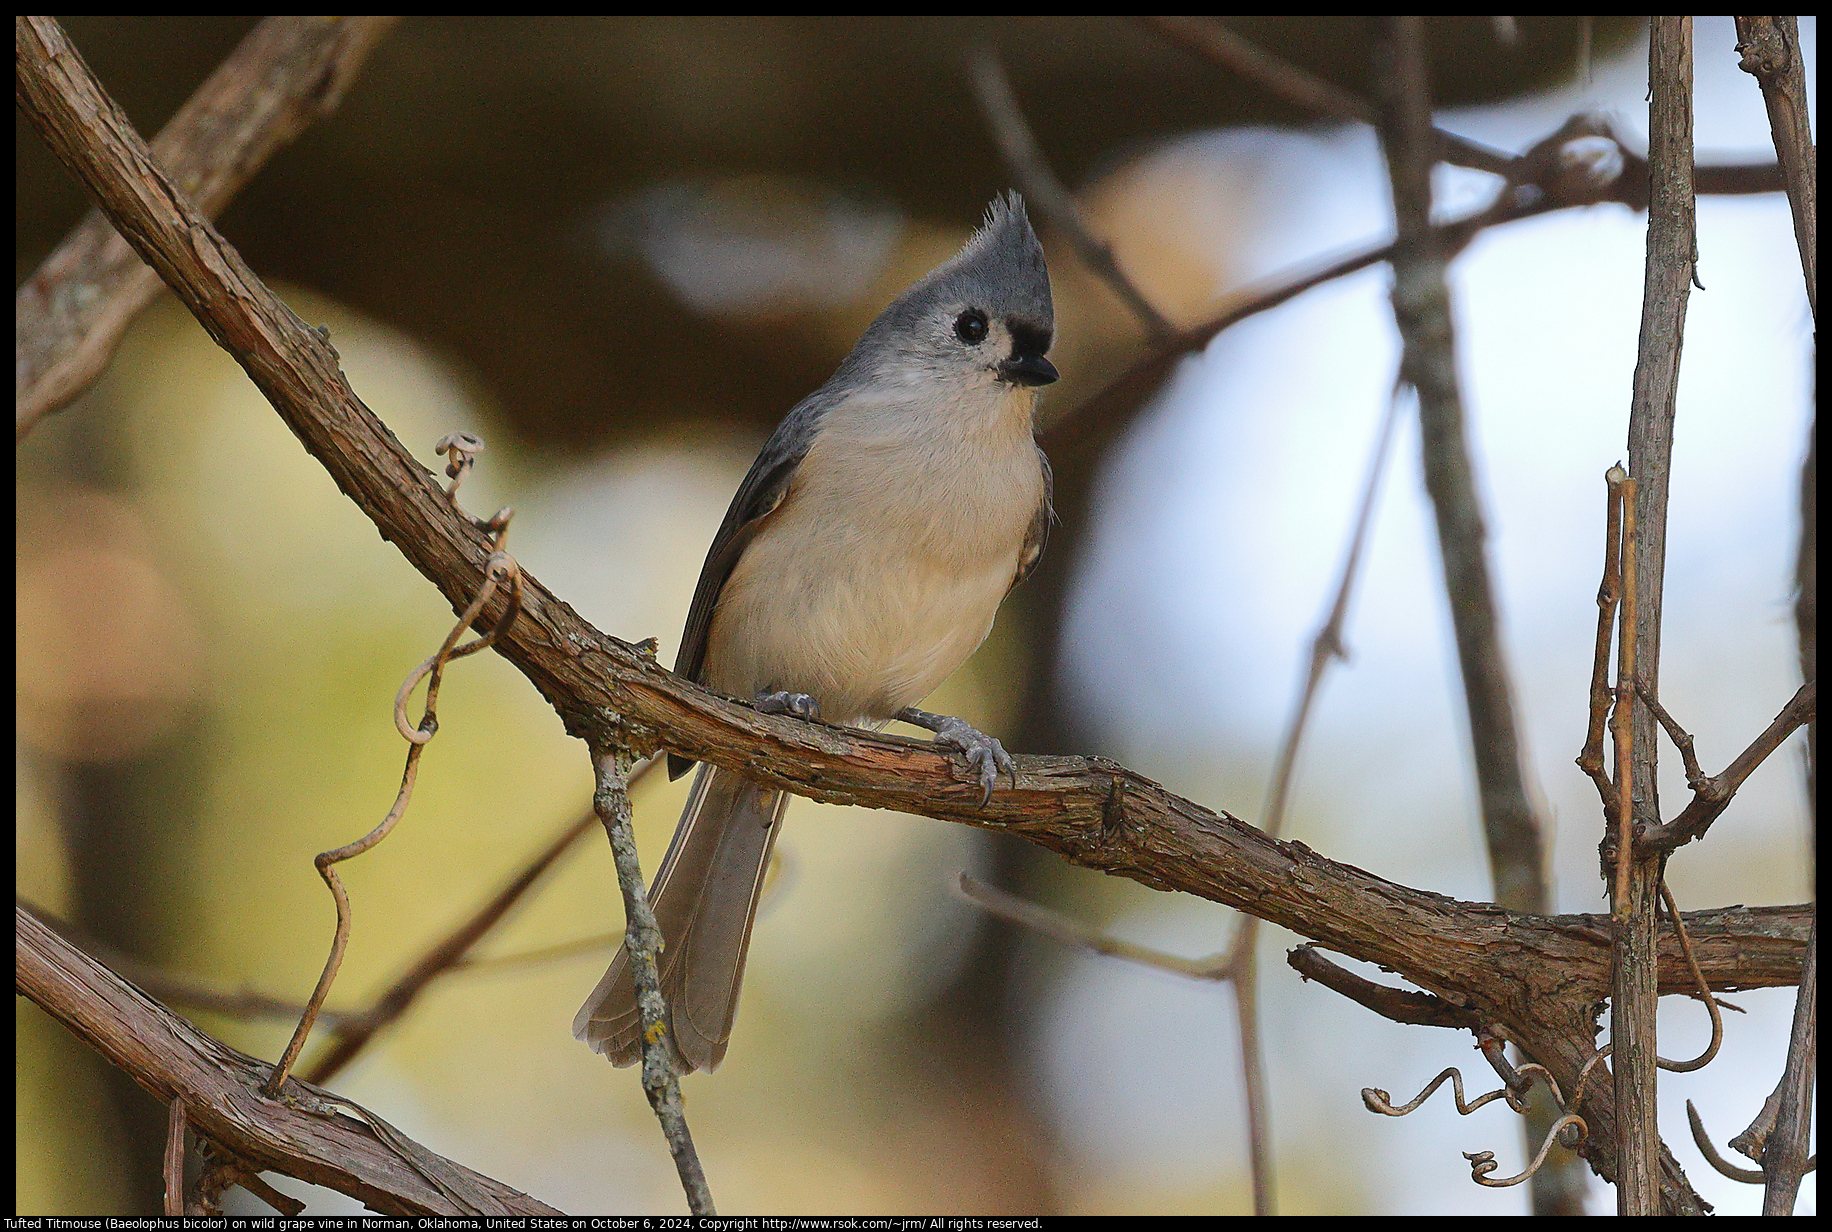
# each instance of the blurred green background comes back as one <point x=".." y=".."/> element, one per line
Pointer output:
<point x="618" y="249"/>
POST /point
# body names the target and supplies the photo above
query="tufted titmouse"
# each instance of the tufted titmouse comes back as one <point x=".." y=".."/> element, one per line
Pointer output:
<point x="860" y="563"/>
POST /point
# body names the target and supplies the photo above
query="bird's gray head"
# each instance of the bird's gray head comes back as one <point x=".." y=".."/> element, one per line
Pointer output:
<point x="985" y="313"/>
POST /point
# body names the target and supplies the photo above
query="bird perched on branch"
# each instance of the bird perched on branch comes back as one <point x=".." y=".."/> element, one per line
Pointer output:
<point x="861" y="562"/>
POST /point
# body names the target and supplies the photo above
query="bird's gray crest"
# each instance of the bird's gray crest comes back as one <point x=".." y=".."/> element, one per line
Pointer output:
<point x="1000" y="271"/>
<point x="1004" y="261"/>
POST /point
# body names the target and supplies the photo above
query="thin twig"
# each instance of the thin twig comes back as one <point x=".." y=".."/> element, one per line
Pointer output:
<point x="643" y="938"/>
<point x="1494" y="1051"/>
<point x="69" y="316"/>
<point x="1682" y="740"/>
<point x="286" y="1204"/>
<point x="1217" y="44"/>
<point x="1327" y="646"/>
<point x="1420" y="1009"/>
<point x="1054" y="924"/>
<point x="241" y="1004"/>
<point x="1609" y="593"/>
<point x="1042" y="189"/>
<point x="1711" y="796"/>
<point x="1624" y="811"/>
<point x="1253" y="1078"/>
<point x="598" y="943"/>
<point x="1519" y="1081"/>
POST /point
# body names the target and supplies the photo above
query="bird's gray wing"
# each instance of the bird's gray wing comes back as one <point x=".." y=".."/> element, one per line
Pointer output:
<point x="756" y="499"/>
<point x="1039" y="532"/>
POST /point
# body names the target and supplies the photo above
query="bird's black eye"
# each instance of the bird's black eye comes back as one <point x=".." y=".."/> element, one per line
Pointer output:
<point x="970" y="327"/>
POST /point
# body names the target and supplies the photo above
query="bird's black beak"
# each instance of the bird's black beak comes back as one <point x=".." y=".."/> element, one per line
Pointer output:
<point x="1028" y="370"/>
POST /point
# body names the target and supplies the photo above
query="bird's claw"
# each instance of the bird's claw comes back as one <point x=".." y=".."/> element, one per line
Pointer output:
<point x="785" y="702"/>
<point x="986" y="757"/>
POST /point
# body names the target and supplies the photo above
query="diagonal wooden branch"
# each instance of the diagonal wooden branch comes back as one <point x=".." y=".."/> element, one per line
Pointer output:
<point x="68" y="317"/>
<point x="307" y="1133"/>
<point x="1539" y="980"/>
<point x="180" y="990"/>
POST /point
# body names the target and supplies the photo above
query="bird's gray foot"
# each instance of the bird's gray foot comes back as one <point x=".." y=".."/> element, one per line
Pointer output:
<point x="985" y="755"/>
<point x="785" y="702"/>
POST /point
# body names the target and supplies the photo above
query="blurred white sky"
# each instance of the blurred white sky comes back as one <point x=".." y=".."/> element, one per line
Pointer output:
<point x="1219" y="529"/>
